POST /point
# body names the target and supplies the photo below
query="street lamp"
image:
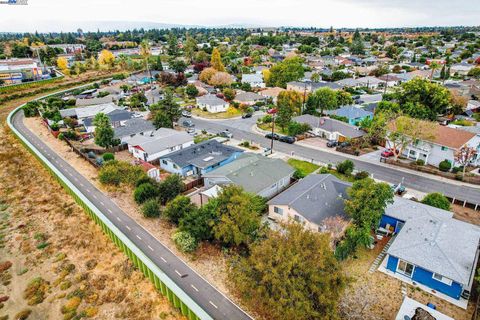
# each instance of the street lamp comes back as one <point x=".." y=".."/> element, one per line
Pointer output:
<point x="272" y="112"/>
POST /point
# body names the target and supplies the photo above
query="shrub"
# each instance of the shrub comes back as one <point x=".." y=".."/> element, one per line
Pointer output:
<point x="144" y="192"/>
<point x="184" y="241"/>
<point x="361" y="175"/>
<point x="295" y="128"/>
<point x="267" y="119"/>
<point x="171" y="187"/>
<point x="31" y="109"/>
<point x="71" y="305"/>
<point x="445" y="165"/>
<point x="108" y="156"/>
<point x="420" y="162"/>
<point x="116" y="172"/>
<point x="54" y="127"/>
<point x="346" y="167"/>
<point x="35" y="291"/>
<point x="437" y="200"/>
<point x="151" y="208"/>
<point x="178" y="208"/>
<point x="23" y="315"/>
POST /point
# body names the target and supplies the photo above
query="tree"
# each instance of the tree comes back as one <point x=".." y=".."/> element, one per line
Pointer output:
<point x="292" y="274"/>
<point x="199" y="223"/>
<point x="216" y="61"/>
<point x="62" y="64"/>
<point x="137" y="100"/>
<point x="104" y="134"/>
<point x="220" y="79"/>
<point x="290" y="69"/>
<point x="151" y="209"/>
<point x="189" y="48"/>
<point x="229" y="94"/>
<point x="423" y="99"/>
<point x="172" y="43"/>
<point x="178" y="65"/>
<point x="474" y="72"/>
<point x="239" y="217"/>
<point x="289" y="103"/>
<point x="207" y="74"/>
<point x="144" y="192"/>
<point x="184" y="241"/>
<point x="178" y="208"/>
<point x="343" y="98"/>
<point x="106" y="58"/>
<point x="169" y="110"/>
<point x="463" y="156"/>
<point x="323" y="99"/>
<point x="437" y="200"/>
<point x="191" y="91"/>
<point x="404" y="130"/>
<point x="169" y="188"/>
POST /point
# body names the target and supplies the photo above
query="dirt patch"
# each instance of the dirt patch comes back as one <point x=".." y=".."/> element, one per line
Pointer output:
<point x="466" y="214"/>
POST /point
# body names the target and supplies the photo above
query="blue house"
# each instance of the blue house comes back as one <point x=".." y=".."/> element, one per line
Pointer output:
<point x="355" y="114"/>
<point x="199" y="159"/>
<point x="431" y="248"/>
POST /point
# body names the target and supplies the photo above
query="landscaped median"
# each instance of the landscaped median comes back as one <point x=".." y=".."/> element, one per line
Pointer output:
<point x="162" y="282"/>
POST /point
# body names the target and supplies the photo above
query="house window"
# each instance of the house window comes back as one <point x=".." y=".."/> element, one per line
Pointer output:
<point x="278" y="210"/>
<point x="444" y="148"/>
<point x="297" y="218"/>
<point x="442" y="279"/>
<point x="405" y="268"/>
<point x="164" y="162"/>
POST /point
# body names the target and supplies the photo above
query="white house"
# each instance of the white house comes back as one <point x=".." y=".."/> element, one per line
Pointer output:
<point x="443" y="146"/>
<point x="159" y="143"/>
<point x="212" y="103"/>
<point x="255" y="80"/>
<point x="330" y="129"/>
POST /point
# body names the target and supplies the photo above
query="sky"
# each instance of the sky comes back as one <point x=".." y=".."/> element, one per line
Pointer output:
<point x="90" y="15"/>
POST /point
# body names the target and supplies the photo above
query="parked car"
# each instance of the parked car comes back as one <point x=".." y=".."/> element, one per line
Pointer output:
<point x="246" y="115"/>
<point x="398" y="189"/>
<point x="344" y="144"/>
<point x="332" y="143"/>
<point x="287" y="139"/>
<point x="188" y="123"/>
<point x="387" y="153"/>
<point x="266" y="151"/>
<point x="191" y="131"/>
<point x="273" y="136"/>
<point x="186" y="114"/>
<point x="226" y="134"/>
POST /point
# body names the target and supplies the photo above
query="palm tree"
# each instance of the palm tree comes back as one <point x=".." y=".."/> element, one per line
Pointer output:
<point x="145" y="53"/>
<point x="434" y="66"/>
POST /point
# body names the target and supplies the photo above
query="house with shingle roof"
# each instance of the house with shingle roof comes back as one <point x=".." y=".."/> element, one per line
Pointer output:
<point x="257" y="174"/>
<point x="354" y="113"/>
<point x="443" y="146"/>
<point x="133" y="127"/>
<point x="212" y="103"/>
<point x="330" y="129"/>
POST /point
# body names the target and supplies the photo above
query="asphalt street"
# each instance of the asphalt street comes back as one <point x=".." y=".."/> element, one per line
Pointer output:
<point x="202" y="292"/>
<point x="241" y="129"/>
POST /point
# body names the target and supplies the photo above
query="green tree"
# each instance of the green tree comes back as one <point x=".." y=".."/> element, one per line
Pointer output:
<point x="161" y="120"/>
<point x="169" y="108"/>
<point x="151" y="208"/>
<point x="239" y="217"/>
<point x="178" y="208"/>
<point x="437" y="200"/>
<point x="199" y="223"/>
<point x="169" y="188"/>
<point x="172" y="43"/>
<point x="216" y="61"/>
<point x="290" y="69"/>
<point x="189" y="48"/>
<point x="322" y="99"/>
<point x="137" y="100"/>
<point x="292" y="274"/>
<point x="191" y="91"/>
<point x="367" y="202"/>
<point x="104" y="134"/>
<point x="144" y="192"/>
<point x="185" y="241"/>
<point x="178" y="65"/>
<point x="289" y="103"/>
<point x="229" y="93"/>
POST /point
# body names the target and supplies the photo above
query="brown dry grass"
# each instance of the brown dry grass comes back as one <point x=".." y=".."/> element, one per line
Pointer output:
<point x="45" y="234"/>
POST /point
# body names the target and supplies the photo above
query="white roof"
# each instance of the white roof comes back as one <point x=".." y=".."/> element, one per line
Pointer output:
<point x="404" y="210"/>
<point x="409" y="306"/>
<point x="160" y="139"/>
<point x="91" y="111"/>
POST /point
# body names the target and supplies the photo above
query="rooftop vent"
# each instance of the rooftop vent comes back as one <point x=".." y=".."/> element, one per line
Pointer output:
<point x="208" y="159"/>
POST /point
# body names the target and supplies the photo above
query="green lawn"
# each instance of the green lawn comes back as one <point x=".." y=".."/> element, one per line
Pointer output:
<point x="303" y="167"/>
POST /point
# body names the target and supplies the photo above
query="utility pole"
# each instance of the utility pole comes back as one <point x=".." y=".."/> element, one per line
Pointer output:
<point x="272" y="112"/>
<point x="386" y="85"/>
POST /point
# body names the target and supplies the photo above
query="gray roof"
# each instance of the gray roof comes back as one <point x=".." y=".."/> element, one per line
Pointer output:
<point x="249" y="96"/>
<point x="253" y="172"/>
<point x="445" y="246"/>
<point x="350" y="112"/>
<point x="330" y="125"/>
<point x="369" y="98"/>
<point x="252" y="78"/>
<point x="211" y="100"/>
<point x="160" y="140"/>
<point x="404" y="210"/>
<point x="202" y="155"/>
<point x="93" y="101"/>
<point x="133" y="126"/>
<point x="313" y="86"/>
<point x="316" y="197"/>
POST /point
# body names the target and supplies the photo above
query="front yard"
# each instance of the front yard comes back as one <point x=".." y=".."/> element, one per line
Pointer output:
<point x="231" y="113"/>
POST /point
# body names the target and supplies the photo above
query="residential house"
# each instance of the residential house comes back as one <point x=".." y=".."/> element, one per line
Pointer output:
<point x="257" y="174"/>
<point x="271" y="93"/>
<point x="312" y="201"/>
<point x="82" y="102"/>
<point x="249" y="98"/>
<point x="433" y="250"/>
<point x="254" y="80"/>
<point x="131" y="128"/>
<point x="330" y="129"/>
<point x="309" y="86"/>
<point x="412" y="309"/>
<point x="199" y="159"/>
<point x="355" y="114"/>
<point x="81" y="113"/>
<point x="212" y="103"/>
<point x="151" y="171"/>
<point x="445" y="142"/>
<point x="461" y="69"/>
<point x="158" y="143"/>
<point x="118" y="118"/>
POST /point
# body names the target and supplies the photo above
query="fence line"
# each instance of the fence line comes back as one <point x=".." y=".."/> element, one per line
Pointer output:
<point x="162" y="282"/>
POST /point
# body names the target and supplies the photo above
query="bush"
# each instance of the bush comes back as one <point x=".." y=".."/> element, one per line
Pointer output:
<point x="184" y="241"/>
<point x="145" y="192"/>
<point x="295" y="128"/>
<point x="437" y="200"/>
<point x="178" y="208"/>
<point x="346" y="167"/>
<point x="54" y="127"/>
<point x="151" y="208"/>
<point x="445" y="165"/>
<point x="171" y="187"/>
<point x="267" y="119"/>
<point x="31" y="109"/>
<point x="108" y="156"/>
<point x="70" y="135"/>
<point x="116" y="172"/>
<point x="420" y="162"/>
<point x="361" y="175"/>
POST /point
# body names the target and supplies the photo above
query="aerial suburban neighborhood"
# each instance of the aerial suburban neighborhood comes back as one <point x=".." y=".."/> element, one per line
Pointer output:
<point x="237" y="171"/>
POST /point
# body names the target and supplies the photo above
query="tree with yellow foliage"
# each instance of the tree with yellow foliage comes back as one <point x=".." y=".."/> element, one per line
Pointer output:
<point x="266" y="75"/>
<point x="62" y="64"/>
<point x="207" y="74"/>
<point x="106" y="58"/>
<point x="216" y="61"/>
